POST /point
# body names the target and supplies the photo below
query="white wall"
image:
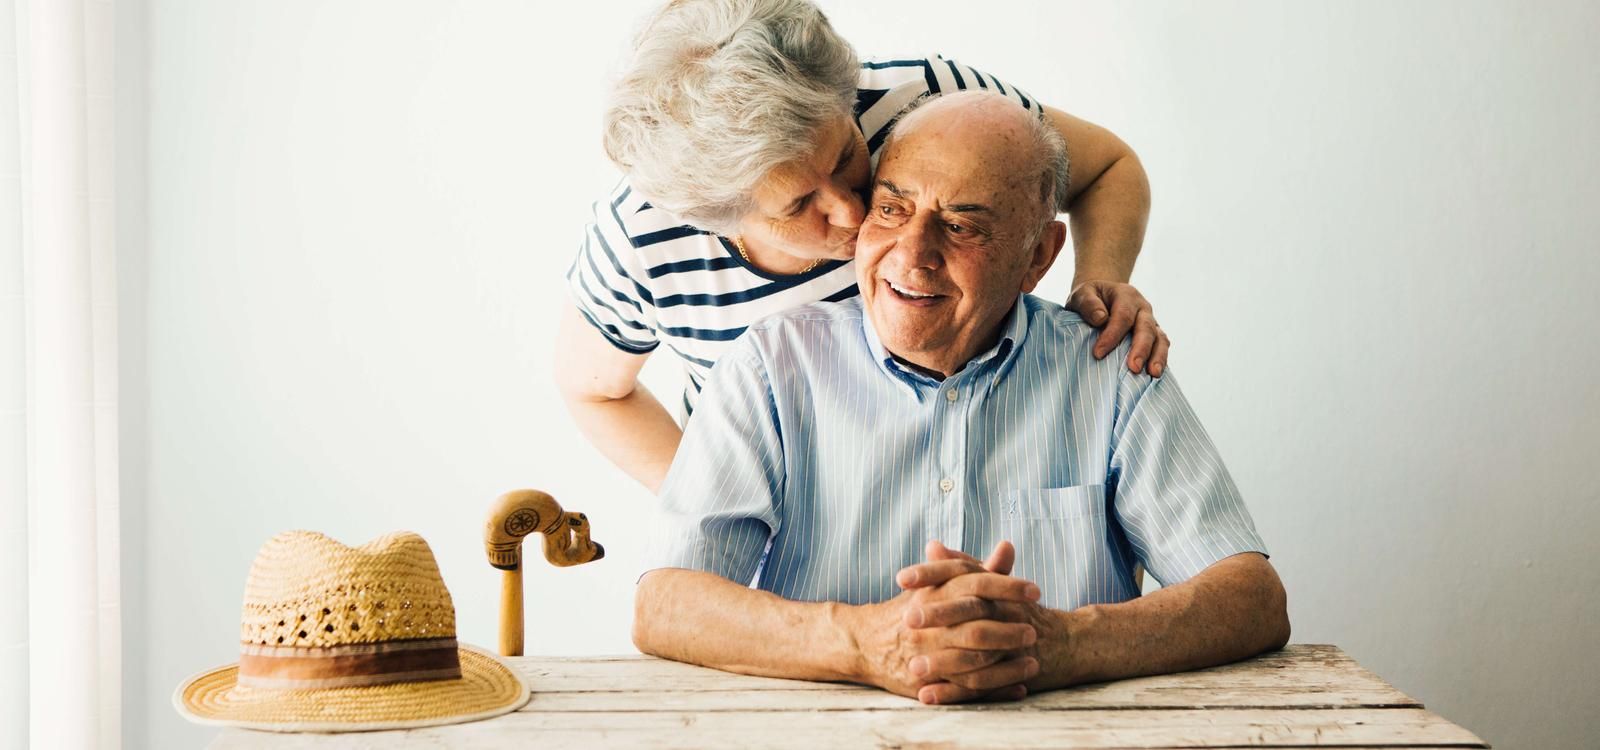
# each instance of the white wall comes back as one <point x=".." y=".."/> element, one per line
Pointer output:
<point x="1373" y="243"/>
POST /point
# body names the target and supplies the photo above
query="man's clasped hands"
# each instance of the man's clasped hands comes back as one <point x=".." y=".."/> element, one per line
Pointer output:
<point x="961" y="630"/>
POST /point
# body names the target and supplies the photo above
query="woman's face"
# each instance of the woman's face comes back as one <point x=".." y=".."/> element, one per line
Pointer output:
<point x="811" y="208"/>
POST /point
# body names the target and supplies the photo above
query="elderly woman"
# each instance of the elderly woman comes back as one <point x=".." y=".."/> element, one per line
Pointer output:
<point x="747" y="130"/>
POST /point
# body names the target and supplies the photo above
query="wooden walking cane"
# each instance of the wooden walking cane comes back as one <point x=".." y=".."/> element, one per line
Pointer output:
<point x="515" y="515"/>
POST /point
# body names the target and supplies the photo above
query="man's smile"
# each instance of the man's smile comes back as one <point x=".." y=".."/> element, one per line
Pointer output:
<point x="911" y="295"/>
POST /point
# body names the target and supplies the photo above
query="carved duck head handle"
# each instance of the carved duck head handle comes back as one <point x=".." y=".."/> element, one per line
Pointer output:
<point x="519" y="513"/>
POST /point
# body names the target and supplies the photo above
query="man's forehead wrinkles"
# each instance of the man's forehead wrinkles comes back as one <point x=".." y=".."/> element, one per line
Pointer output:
<point x="968" y="207"/>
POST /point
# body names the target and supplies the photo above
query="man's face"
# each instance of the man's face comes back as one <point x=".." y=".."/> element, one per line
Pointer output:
<point x="941" y="256"/>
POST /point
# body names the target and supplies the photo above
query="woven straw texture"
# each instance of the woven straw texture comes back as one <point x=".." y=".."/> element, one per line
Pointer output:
<point x="487" y="688"/>
<point x="306" y="589"/>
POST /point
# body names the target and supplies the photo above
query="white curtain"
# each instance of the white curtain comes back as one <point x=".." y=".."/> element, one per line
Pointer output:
<point x="60" y="600"/>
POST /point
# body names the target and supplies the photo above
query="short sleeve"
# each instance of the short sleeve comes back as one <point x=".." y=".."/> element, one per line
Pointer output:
<point x="889" y="87"/>
<point x="954" y="76"/>
<point x="1174" y="498"/>
<point x="607" y="283"/>
<point x="720" y="501"/>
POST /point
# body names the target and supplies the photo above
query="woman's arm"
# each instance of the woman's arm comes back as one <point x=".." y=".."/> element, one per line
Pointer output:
<point x="1109" y="206"/>
<point x="619" y="416"/>
<point x="1108" y="199"/>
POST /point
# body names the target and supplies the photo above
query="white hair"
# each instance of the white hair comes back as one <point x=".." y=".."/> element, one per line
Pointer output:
<point x="1051" y="151"/>
<point x="719" y="92"/>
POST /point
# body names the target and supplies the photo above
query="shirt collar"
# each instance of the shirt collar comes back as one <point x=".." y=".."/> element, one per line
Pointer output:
<point x="1014" y="329"/>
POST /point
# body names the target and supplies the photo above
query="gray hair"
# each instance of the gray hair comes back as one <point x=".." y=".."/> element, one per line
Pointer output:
<point x="719" y="92"/>
<point x="1057" y="178"/>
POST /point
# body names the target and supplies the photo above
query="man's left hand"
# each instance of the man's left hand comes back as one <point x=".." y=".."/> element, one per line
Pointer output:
<point x="944" y="565"/>
<point x="1117" y="309"/>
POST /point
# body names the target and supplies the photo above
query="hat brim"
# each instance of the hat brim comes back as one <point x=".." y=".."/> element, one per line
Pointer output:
<point x="488" y="687"/>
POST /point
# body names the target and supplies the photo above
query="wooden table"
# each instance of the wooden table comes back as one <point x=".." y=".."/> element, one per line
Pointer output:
<point x="1303" y="696"/>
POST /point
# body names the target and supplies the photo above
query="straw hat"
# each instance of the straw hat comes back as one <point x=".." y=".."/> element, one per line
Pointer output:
<point x="344" y="639"/>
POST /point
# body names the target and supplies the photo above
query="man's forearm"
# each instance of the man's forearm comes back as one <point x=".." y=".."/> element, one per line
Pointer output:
<point x="1108" y="220"/>
<point x="1230" y="611"/>
<point x="634" y="432"/>
<point x="705" y="619"/>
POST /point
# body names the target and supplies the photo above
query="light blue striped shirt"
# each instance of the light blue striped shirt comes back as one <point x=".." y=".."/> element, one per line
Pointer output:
<point x="817" y="467"/>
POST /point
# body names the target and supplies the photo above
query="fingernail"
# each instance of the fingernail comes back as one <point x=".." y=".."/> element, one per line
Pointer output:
<point x="1029" y="637"/>
<point x="914" y="618"/>
<point x="906" y="579"/>
<point x="1155" y="369"/>
<point x="919" y="666"/>
<point x="1032" y="591"/>
<point x="1138" y="362"/>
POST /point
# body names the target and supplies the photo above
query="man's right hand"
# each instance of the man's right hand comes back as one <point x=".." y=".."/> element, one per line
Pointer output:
<point x="944" y="564"/>
<point x="954" y="631"/>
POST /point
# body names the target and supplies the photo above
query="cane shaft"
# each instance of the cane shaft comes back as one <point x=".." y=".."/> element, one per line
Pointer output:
<point x="511" y="612"/>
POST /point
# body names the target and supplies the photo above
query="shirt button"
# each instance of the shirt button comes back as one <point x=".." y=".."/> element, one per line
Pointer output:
<point x="950" y="395"/>
<point x="947" y="484"/>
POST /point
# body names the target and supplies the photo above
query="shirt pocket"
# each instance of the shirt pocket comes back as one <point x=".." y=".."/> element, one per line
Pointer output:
<point x="1058" y="503"/>
<point x="1064" y="543"/>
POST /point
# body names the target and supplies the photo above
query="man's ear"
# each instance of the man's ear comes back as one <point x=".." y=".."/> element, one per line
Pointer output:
<point x="1045" y="252"/>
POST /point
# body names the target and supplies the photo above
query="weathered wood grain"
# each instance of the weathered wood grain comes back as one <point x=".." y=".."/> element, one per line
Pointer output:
<point x="1303" y="696"/>
<point x="1299" y="676"/>
<point x="924" y="728"/>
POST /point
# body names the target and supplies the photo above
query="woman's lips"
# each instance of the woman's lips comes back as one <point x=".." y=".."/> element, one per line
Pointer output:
<point x="845" y="248"/>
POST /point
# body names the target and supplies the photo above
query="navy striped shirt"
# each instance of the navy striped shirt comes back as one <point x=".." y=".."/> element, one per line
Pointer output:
<point x="644" y="277"/>
<point x="817" y="467"/>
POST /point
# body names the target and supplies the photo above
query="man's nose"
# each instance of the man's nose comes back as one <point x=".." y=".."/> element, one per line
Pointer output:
<point x="919" y="244"/>
<point x="843" y="205"/>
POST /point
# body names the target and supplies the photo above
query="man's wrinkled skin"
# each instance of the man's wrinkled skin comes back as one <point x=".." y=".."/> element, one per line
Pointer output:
<point x="956" y="215"/>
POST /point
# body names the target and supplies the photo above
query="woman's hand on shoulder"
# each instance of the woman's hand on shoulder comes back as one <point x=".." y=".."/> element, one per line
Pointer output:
<point x="1119" y="309"/>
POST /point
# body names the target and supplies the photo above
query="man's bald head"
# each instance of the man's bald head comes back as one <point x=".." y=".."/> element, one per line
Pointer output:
<point x="989" y="120"/>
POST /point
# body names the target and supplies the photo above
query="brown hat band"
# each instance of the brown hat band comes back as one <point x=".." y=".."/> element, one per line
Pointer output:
<point x="351" y="665"/>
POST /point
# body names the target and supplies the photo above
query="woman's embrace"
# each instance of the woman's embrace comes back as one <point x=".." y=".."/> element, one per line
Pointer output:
<point x="748" y="131"/>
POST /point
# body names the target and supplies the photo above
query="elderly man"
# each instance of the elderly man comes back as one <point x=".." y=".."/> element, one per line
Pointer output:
<point x="947" y="405"/>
